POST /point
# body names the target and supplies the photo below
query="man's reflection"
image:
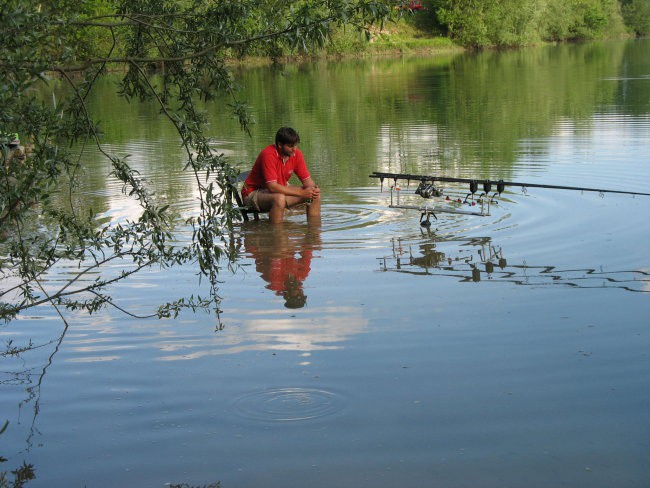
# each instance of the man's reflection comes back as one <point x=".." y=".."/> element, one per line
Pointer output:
<point x="283" y="255"/>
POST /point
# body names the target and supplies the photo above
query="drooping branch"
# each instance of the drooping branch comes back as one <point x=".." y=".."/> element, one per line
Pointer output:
<point x="191" y="42"/>
<point x="312" y="28"/>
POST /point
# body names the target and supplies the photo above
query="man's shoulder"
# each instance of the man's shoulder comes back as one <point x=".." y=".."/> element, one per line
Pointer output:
<point x="269" y="150"/>
<point x="298" y="157"/>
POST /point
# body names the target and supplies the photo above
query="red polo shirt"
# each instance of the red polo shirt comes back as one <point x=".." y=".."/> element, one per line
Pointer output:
<point x="269" y="167"/>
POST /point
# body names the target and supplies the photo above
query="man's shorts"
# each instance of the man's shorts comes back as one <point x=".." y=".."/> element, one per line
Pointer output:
<point x="251" y="200"/>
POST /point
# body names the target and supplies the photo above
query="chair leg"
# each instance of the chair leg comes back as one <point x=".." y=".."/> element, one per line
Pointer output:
<point x="238" y="199"/>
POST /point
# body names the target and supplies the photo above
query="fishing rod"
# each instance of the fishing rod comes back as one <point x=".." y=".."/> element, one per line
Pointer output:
<point x="487" y="184"/>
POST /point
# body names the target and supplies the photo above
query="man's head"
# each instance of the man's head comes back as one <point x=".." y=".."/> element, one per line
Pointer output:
<point x="285" y="141"/>
<point x="286" y="135"/>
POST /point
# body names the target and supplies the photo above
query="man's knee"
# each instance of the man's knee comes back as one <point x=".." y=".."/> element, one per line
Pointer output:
<point x="279" y="200"/>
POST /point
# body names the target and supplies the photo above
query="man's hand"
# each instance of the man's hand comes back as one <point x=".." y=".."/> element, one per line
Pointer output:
<point x="312" y="192"/>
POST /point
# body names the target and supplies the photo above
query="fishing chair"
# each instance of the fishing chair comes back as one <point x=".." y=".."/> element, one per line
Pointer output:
<point x="233" y="193"/>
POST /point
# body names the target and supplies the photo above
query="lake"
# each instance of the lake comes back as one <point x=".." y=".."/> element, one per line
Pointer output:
<point x="506" y="350"/>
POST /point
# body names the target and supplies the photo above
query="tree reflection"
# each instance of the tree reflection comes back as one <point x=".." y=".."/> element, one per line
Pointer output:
<point x="20" y="476"/>
<point x="33" y="378"/>
<point x="282" y="255"/>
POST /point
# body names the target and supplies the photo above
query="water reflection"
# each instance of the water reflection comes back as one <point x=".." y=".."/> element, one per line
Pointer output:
<point x="340" y="360"/>
<point x="283" y="255"/>
<point x="475" y="259"/>
<point x="20" y="476"/>
<point x="21" y="370"/>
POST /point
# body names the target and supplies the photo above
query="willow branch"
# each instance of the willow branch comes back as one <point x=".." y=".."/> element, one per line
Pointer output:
<point x="124" y="311"/>
<point x="187" y="57"/>
<point x="90" y="288"/>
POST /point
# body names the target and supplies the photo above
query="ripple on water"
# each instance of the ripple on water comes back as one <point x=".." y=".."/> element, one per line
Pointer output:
<point x="366" y="217"/>
<point x="288" y="404"/>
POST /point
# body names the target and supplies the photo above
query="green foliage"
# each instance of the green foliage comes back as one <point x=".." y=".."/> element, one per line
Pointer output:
<point x="491" y="23"/>
<point x="402" y="37"/>
<point x="427" y="20"/>
<point x="346" y="41"/>
<point x="637" y="15"/>
<point x="77" y="43"/>
<point x="499" y="23"/>
<point x="581" y="19"/>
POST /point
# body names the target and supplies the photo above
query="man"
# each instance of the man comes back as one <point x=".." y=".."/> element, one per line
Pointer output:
<point x="267" y="187"/>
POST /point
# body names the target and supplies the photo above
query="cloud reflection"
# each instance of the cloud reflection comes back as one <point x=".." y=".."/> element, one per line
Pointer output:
<point x="272" y="330"/>
<point x="282" y="256"/>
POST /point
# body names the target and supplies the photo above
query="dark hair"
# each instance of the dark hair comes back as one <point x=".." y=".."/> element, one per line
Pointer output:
<point x="286" y="135"/>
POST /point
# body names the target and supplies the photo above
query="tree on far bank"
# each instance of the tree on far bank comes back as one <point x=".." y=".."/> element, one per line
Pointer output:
<point x="637" y="15"/>
<point x="513" y="23"/>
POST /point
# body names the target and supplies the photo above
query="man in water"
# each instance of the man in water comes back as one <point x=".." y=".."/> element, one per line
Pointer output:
<point x="267" y="187"/>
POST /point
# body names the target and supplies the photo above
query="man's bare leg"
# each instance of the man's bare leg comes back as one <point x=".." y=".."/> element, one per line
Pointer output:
<point x="313" y="211"/>
<point x="274" y="204"/>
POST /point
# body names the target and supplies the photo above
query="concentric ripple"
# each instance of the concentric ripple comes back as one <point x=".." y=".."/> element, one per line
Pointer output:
<point x="288" y="404"/>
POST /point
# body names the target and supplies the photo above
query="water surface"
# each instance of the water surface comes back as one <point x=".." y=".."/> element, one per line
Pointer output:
<point x="509" y="350"/>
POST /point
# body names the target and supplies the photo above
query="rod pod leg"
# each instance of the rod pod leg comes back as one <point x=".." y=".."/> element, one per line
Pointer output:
<point x="425" y="218"/>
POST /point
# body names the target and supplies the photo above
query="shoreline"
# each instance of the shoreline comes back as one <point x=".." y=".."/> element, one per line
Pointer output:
<point x="377" y="49"/>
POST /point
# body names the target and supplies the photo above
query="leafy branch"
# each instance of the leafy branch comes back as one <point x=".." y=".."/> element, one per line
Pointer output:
<point x="173" y="52"/>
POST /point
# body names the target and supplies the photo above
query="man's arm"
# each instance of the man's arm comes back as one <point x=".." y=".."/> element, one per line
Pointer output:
<point x="308" y="183"/>
<point x="308" y="190"/>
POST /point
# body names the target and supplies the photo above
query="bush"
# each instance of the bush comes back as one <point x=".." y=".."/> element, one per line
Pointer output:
<point x="636" y="14"/>
<point x="513" y="23"/>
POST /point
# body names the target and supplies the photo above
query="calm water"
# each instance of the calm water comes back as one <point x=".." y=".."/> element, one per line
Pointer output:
<point x="507" y="351"/>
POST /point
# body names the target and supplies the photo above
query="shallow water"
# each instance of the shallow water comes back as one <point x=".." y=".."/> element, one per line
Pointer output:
<point x="506" y="350"/>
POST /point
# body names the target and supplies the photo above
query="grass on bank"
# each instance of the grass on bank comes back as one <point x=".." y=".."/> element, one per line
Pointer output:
<point x="394" y="38"/>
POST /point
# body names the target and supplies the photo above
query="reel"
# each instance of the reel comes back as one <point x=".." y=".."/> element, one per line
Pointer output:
<point x="428" y="190"/>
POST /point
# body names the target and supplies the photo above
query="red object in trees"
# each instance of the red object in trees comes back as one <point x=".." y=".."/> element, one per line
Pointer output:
<point x="412" y="6"/>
